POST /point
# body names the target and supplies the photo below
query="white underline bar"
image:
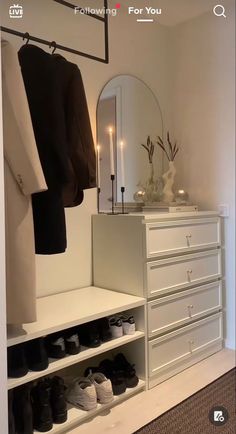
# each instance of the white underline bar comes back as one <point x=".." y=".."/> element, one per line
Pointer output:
<point x="145" y="21"/>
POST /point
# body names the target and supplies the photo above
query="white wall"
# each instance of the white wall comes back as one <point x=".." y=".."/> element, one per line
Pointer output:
<point x="3" y="364"/>
<point x="141" y="53"/>
<point x="204" y="116"/>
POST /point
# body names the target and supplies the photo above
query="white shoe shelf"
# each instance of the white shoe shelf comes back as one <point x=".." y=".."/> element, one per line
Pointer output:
<point x="77" y="416"/>
<point x="68" y="309"/>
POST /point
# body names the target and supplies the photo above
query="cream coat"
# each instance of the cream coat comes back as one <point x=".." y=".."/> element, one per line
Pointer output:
<point x="23" y="176"/>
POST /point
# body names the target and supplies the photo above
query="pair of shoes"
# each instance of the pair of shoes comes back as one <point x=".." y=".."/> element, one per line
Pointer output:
<point x="61" y="343"/>
<point x="122" y="325"/>
<point x="85" y="392"/>
<point x="48" y="403"/>
<point x="93" y="333"/>
<point x="121" y="373"/>
<point x="27" y="356"/>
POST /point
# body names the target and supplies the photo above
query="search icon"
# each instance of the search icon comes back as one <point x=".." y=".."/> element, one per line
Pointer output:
<point x="219" y="11"/>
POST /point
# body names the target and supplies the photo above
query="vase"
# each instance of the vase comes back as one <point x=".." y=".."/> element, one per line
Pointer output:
<point x="151" y="187"/>
<point x="168" y="178"/>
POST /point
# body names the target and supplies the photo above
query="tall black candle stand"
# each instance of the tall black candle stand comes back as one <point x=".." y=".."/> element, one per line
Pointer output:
<point x="122" y="199"/>
<point x="112" y="194"/>
<point x="98" y="198"/>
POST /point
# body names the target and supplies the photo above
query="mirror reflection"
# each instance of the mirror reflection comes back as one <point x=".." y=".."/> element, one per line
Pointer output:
<point x="128" y="119"/>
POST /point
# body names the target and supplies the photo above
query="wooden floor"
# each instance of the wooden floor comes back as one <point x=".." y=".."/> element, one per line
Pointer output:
<point x="131" y="415"/>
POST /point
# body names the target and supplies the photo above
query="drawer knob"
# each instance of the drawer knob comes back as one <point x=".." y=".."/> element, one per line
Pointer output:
<point x="190" y="307"/>
<point x="189" y="272"/>
<point x="188" y="237"/>
<point x="190" y="345"/>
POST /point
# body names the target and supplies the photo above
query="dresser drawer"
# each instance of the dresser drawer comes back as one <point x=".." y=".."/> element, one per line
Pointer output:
<point x="176" y="310"/>
<point x="168" y="238"/>
<point x="174" y="348"/>
<point x="169" y="275"/>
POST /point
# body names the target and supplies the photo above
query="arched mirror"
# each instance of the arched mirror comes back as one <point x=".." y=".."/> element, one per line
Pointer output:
<point x="128" y="113"/>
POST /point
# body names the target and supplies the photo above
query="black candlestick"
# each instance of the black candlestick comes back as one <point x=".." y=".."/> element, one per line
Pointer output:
<point x="112" y="194"/>
<point x="98" y="198"/>
<point x="122" y="199"/>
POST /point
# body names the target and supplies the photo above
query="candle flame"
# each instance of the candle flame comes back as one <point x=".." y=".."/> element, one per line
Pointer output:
<point x="121" y="144"/>
<point x="110" y="130"/>
<point x="98" y="148"/>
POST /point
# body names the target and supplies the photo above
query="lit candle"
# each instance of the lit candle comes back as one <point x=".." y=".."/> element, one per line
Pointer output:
<point x="98" y="167"/>
<point x="122" y="165"/>
<point x="111" y="151"/>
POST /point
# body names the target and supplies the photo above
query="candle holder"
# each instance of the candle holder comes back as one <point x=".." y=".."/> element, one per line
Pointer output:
<point x="112" y="194"/>
<point x="122" y="200"/>
<point x="98" y="198"/>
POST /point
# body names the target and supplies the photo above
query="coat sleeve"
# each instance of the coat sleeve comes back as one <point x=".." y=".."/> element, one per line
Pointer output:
<point x="23" y="160"/>
<point x="81" y="145"/>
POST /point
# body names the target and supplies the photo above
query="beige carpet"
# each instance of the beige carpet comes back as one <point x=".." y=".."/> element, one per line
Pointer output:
<point x="192" y="415"/>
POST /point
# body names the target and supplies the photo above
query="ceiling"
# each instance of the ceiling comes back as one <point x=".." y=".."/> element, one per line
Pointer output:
<point x="177" y="11"/>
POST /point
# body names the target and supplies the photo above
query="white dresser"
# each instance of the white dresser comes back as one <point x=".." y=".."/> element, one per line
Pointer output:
<point x="174" y="260"/>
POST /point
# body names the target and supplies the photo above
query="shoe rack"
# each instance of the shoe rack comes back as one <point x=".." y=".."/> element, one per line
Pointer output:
<point x="73" y="308"/>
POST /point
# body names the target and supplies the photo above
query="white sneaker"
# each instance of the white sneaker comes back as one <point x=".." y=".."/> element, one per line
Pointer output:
<point x="128" y="324"/>
<point x="81" y="393"/>
<point x="103" y="387"/>
<point x="116" y="328"/>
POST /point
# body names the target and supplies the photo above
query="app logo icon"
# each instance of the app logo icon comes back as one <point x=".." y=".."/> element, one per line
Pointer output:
<point x="218" y="416"/>
<point x="15" y="11"/>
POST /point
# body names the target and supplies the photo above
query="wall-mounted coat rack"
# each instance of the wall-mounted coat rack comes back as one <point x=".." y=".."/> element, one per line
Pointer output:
<point x="103" y="19"/>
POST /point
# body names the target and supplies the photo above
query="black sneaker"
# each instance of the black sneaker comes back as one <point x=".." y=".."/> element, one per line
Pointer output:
<point x="109" y="369"/>
<point x="89" y="335"/>
<point x="11" y="420"/>
<point x="36" y="354"/>
<point x="104" y="329"/>
<point x="122" y="364"/>
<point x="22" y="410"/>
<point x="16" y="361"/>
<point x="43" y="420"/>
<point x="58" y="401"/>
<point x="56" y="348"/>
<point x="72" y="343"/>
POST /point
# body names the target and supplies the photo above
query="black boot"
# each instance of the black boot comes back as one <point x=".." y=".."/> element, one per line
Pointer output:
<point x="16" y="361"/>
<point x="11" y="421"/>
<point x="36" y="353"/>
<point x="121" y="363"/>
<point x="22" y="410"/>
<point x="41" y="406"/>
<point x="58" y="401"/>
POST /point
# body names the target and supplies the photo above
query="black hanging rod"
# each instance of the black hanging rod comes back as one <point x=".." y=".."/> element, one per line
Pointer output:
<point x="62" y="47"/>
<point x="89" y="14"/>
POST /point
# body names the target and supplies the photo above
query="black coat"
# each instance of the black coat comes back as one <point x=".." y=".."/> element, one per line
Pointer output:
<point x="63" y="135"/>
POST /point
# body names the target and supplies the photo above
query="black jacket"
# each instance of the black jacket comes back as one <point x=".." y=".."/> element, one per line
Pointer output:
<point x="63" y="135"/>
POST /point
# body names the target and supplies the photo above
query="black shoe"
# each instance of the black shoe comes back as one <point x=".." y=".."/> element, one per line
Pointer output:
<point x="58" y="401"/>
<point x="22" y="409"/>
<point x="55" y="344"/>
<point x="130" y="376"/>
<point x="72" y="343"/>
<point x="104" y="329"/>
<point x="36" y="354"/>
<point x="11" y="421"/>
<point x="109" y="369"/>
<point x="43" y="420"/>
<point x="89" y="335"/>
<point x="16" y="361"/>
